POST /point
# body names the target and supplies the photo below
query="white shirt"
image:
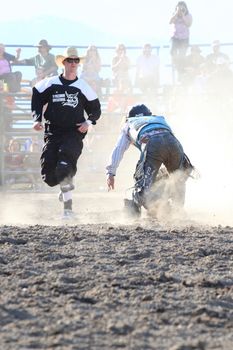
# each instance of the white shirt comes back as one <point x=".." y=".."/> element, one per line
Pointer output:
<point x="122" y="144"/>
<point x="147" y="65"/>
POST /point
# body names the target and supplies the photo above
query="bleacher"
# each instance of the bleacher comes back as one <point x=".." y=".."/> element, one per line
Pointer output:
<point x="16" y="121"/>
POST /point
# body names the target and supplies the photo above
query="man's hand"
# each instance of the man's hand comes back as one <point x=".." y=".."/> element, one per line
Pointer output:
<point x="38" y="126"/>
<point x="110" y="182"/>
<point x="83" y="127"/>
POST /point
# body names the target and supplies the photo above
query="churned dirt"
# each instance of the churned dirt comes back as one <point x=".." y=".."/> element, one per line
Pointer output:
<point x="105" y="281"/>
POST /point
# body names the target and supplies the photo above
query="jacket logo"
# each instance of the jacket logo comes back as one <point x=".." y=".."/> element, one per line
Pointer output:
<point x="71" y="100"/>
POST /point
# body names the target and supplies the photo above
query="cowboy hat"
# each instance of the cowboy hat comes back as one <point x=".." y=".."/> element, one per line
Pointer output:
<point x="43" y="43"/>
<point x="216" y="43"/>
<point x="69" y="52"/>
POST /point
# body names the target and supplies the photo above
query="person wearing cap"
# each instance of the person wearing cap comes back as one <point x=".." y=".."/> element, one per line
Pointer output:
<point x="153" y="137"/>
<point x="44" y="61"/>
<point x="193" y="65"/>
<point x="216" y="57"/>
<point x="67" y="98"/>
<point x="220" y="78"/>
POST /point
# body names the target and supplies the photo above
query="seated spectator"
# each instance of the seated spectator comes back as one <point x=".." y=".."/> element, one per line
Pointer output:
<point x="12" y="79"/>
<point x="91" y="69"/>
<point x="122" y="95"/>
<point x="32" y="165"/>
<point x="120" y="69"/>
<point x="220" y="80"/>
<point x="147" y="71"/>
<point x="44" y="62"/>
<point x="39" y="76"/>
<point x="216" y="56"/>
<point x="193" y="64"/>
<point x="14" y="160"/>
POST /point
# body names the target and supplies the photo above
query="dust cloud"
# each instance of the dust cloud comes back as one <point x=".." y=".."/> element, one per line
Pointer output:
<point x="204" y="127"/>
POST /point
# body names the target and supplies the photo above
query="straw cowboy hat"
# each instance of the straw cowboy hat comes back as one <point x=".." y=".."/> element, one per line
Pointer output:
<point x="69" y="52"/>
<point x="44" y="43"/>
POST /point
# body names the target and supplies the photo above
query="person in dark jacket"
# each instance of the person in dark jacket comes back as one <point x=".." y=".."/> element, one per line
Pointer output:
<point x="152" y="135"/>
<point x="63" y="101"/>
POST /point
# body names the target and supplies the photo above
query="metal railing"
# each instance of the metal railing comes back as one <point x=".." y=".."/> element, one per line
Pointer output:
<point x="107" y="52"/>
<point x="132" y="51"/>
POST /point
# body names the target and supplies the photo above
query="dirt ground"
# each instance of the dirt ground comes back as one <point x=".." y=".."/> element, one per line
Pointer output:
<point x="107" y="282"/>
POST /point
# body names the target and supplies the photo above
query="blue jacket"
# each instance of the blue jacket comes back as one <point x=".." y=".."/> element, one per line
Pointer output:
<point x="142" y="125"/>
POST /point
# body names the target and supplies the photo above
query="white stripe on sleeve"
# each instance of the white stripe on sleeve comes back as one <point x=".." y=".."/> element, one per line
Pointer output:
<point x="121" y="146"/>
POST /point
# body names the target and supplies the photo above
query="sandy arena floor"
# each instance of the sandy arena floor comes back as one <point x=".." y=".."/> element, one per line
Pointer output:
<point x="107" y="282"/>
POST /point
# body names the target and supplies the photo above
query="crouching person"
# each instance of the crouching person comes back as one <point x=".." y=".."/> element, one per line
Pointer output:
<point x="158" y="147"/>
<point x="65" y="98"/>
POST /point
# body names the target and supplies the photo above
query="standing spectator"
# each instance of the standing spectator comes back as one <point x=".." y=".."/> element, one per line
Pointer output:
<point x="147" y="71"/>
<point x="44" y="61"/>
<point x="91" y="69"/>
<point x="181" y="21"/>
<point x="12" y="79"/>
<point x="67" y="98"/>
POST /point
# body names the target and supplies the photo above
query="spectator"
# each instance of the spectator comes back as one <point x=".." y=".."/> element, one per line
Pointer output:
<point x="216" y="57"/>
<point x="91" y="69"/>
<point x="14" y="160"/>
<point x="220" y="82"/>
<point x="122" y="94"/>
<point x="44" y="61"/>
<point x="181" y="21"/>
<point x="68" y="98"/>
<point x="39" y="76"/>
<point x="12" y="79"/>
<point x="120" y="69"/>
<point x="193" y="64"/>
<point x="32" y="165"/>
<point x="147" y="71"/>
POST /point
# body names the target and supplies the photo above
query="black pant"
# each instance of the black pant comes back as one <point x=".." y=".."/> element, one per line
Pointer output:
<point x="161" y="149"/>
<point x="59" y="156"/>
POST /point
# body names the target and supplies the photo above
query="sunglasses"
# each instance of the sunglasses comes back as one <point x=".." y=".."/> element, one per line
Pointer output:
<point x="72" y="60"/>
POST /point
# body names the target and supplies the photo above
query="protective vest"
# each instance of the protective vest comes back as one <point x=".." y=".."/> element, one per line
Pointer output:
<point x="142" y="125"/>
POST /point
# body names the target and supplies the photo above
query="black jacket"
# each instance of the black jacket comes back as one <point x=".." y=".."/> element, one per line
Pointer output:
<point x="66" y="100"/>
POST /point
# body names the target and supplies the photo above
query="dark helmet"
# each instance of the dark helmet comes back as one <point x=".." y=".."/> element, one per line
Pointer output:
<point x="139" y="111"/>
